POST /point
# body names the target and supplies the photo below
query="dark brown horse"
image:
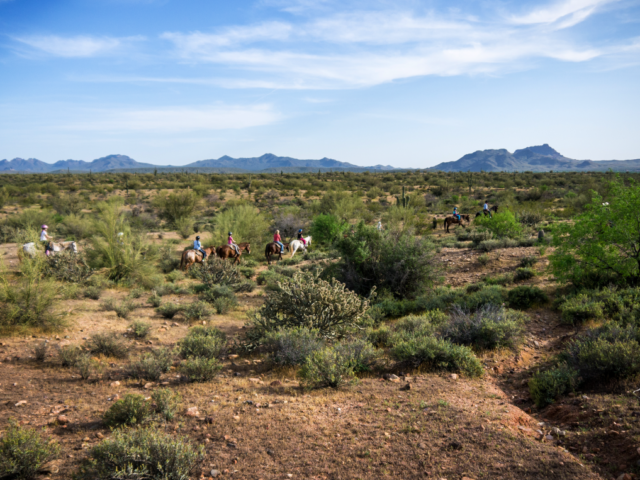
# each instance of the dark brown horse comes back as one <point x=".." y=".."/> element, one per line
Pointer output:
<point x="226" y="251"/>
<point x="189" y="257"/>
<point x="454" y="221"/>
<point x="274" y="249"/>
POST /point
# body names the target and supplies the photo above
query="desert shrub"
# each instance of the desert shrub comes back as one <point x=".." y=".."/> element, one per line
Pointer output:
<point x="76" y="227"/>
<point x="206" y="344"/>
<point x="131" y="409"/>
<point x="151" y="366"/>
<point x="168" y="262"/>
<point x="86" y="366"/>
<point x="212" y="293"/>
<point x="93" y="293"/>
<point x="488" y="328"/>
<point x="184" y="226"/>
<point x="223" y="305"/>
<point x="395" y="261"/>
<point x="524" y="297"/>
<point x="166" y="403"/>
<point x="502" y="225"/>
<point x="503" y="280"/>
<point x="40" y="351"/>
<point x="524" y="273"/>
<point x="269" y="277"/>
<point x="292" y="346"/>
<point x="139" y="328"/>
<point x="169" y="309"/>
<point x="327" y="368"/>
<point x="397" y="308"/>
<point x="69" y="355"/>
<point x="146" y="453"/>
<point x="202" y="331"/>
<point x="483" y="259"/>
<point x="309" y="301"/>
<point x="606" y="353"/>
<point x="528" y="262"/>
<point x="122" y="309"/>
<point x="107" y="344"/>
<point x="379" y="337"/>
<point x="358" y="353"/>
<point x="154" y="300"/>
<point x="478" y="236"/>
<point x="435" y="354"/>
<point x="68" y="267"/>
<point x="24" y="451"/>
<point x="580" y="309"/>
<point x="546" y="386"/>
<point x="175" y="276"/>
<point x="218" y="272"/>
<point x="248" y="272"/>
<point x="200" y="369"/>
<point x="136" y="293"/>
<point x="177" y="206"/>
<point x="326" y="229"/>
<point x="197" y="311"/>
<point x="246" y="222"/>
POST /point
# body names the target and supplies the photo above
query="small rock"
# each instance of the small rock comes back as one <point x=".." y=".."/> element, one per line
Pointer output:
<point x="233" y="357"/>
<point x="62" y="419"/>
<point x="149" y="385"/>
<point x="256" y="380"/>
<point x="548" y="437"/>
<point x="454" y="376"/>
<point x="270" y="452"/>
<point x="236" y="418"/>
<point x="422" y="445"/>
<point x="86" y="439"/>
<point x="406" y="387"/>
<point x="21" y="403"/>
<point x="209" y="420"/>
<point x="114" y="384"/>
<point x="192" y="412"/>
<point x="99" y="435"/>
<point x="214" y="473"/>
<point x="232" y="445"/>
<point x="625" y="476"/>
<point x="276" y="383"/>
<point x="536" y="343"/>
<point x="558" y="432"/>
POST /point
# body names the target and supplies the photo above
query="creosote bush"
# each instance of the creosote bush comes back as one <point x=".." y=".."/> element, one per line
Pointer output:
<point x="327" y="367"/>
<point x="203" y="342"/>
<point x="581" y="308"/>
<point x="145" y="453"/>
<point x="200" y="369"/>
<point x="166" y="403"/>
<point x="524" y="297"/>
<point x="524" y="273"/>
<point x="151" y="366"/>
<point x="107" y="344"/>
<point x="69" y="355"/>
<point x="169" y="310"/>
<point x="24" y="452"/>
<point x="93" y="293"/>
<point x="546" y="386"/>
<point x="132" y="409"/>
<point x="289" y="347"/>
<point x="139" y="329"/>
<point x="358" y="353"/>
<point x="40" y="351"/>
<point x="122" y="309"/>
<point x="197" y="311"/>
<point x="68" y="266"/>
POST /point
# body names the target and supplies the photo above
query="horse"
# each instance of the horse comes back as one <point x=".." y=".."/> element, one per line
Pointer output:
<point x="227" y="251"/>
<point x="296" y="244"/>
<point x="493" y="209"/>
<point x="62" y="247"/>
<point x="452" y="220"/>
<point x="190" y="257"/>
<point x="274" y="249"/>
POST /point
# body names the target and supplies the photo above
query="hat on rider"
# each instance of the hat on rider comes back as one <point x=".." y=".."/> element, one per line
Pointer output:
<point x="198" y="237"/>
<point x="300" y="231"/>
<point x="230" y="233"/>
<point x="44" y="227"/>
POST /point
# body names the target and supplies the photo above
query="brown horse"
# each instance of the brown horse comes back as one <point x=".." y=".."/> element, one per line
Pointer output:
<point x="226" y="251"/>
<point x="274" y="249"/>
<point x="453" y="221"/>
<point x="189" y="257"/>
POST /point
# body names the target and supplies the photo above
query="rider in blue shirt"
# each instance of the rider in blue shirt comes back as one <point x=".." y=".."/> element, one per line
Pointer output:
<point x="456" y="214"/>
<point x="197" y="246"/>
<point x="486" y="210"/>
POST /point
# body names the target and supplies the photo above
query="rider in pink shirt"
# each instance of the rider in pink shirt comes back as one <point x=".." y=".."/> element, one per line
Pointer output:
<point x="278" y="240"/>
<point x="232" y="244"/>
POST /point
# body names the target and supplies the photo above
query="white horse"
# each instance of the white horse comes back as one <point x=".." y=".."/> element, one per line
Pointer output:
<point x="296" y="244"/>
<point x="62" y="246"/>
<point x="31" y="250"/>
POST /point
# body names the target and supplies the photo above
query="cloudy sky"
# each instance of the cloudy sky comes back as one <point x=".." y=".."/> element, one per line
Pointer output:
<point x="407" y="83"/>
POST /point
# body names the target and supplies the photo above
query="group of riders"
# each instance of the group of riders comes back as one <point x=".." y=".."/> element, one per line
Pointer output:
<point x="485" y="210"/>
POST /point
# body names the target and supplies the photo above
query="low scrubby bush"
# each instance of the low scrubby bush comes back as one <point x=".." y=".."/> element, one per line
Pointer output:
<point x="223" y="305"/>
<point x="288" y="347"/>
<point x="175" y="276"/>
<point x="527" y="262"/>
<point x="107" y="344"/>
<point x="166" y="403"/>
<point x="197" y="311"/>
<point x="69" y="355"/>
<point x="359" y="354"/>
<point x="201" y="342"/>
<point x="151" y="366"/>
<point x="379" y="337"/>
<point x="122" y="309"/>
<point x="200" y="369"/>
<point x="68" y="267"/>
<point x="146" y="453"/>
<point x="488" y="328"/>
<point x="483" y="259"/>
<point x="524" y="297"/>
<point x="546" y="386"/>
<point x="139" y="329"/>
<point x="40" y="351"/>
<point x="211" y="294"/>
<point x="154" y="300"/>
<point x="581" y="308"/>
<point x="86" y="366"/>
<point x="327" y="368"/>
<point x="503" y="280"/>
<point x="169" y="310"/>
<point x="132" y="409"/>
<point x="524" y="273"/>
<point x="136" y="293"/>
<point x="435" y="354"/>
<point x="93" y="293"/>
<point x="24" y="452"/>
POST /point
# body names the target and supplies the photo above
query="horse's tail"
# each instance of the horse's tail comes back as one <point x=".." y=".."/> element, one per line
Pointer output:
<point x="183" y="260"/>
<point x="444" y="224"/>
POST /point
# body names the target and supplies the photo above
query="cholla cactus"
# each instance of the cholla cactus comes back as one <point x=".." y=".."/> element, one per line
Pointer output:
<point x="308" y="301"/>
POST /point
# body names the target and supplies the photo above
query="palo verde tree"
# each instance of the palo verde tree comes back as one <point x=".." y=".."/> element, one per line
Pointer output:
<point x="602" y="245"/>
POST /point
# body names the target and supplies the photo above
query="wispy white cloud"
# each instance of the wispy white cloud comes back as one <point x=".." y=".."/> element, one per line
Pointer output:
<point x="78" y="46"/>
<point x="567" y="12"/>
<point x="178" y="119"/>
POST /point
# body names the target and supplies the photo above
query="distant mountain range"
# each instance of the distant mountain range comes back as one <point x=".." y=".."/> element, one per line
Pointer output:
<point x="541" y="158"/>
<point x="267" y="163"/>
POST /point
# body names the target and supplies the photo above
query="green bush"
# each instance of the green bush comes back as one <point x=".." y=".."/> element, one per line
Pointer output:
<point x="24" y="452"/>
<point x="216" y="272"/>
<point x="326" y="229"/>
<point x="327" y="368"/>
<point x="107" y="344"/>
<point x="488" y="328"/>
<point x="139" y="328"/>
<point x="214" y="292"/>
<point x="248" y="272"/>
<point x="580" y="309"/>
<point x="528" y="262"/>
<point x="132" y="409"/>
<point x="169" y="309"/>
<point x="309" y="301"/>
<point x="247" y="223"/>
<point x="122" y="309"/>
<point x="502" y="225"/>
<point x="40" y="351"/>
<point x="197" y="311"/>
<point x="435" y="354"/>
<point x="288" y="347"/>
<point x="86" y="366"/>
<point x="546" y="386"/>
<point x="358" y="353"/>
<point x="151" y="366"/>
<point x="483" y="259"/>
<point x="146" y="453"/>
<point x="168" y="262"/>
<point x="200" y="369"/>
<point x="177" y="205"/>
<point x="69" y="355"/>
<point x="68" y="266"/>
<point x="184" y="227"/>
<point x="204" y="345"/>
<point x="136" y="293"/>
<point x="175" y="276"/>
<point x="223" y="305"/>
<point x="379" y="337"/>
<point x="93" y="293"/>
<point x="154" y="300"/>
<point x="166" y="403"/>
<point x="503" y="280"/>
<point x="524" y="297"/>
<point x="524" y="273"/>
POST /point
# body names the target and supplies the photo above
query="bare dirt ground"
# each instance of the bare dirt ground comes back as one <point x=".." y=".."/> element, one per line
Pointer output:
<point x="257" y="423"/>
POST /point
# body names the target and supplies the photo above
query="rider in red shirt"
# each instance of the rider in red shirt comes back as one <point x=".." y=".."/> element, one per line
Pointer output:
<point x="278" y="240"/>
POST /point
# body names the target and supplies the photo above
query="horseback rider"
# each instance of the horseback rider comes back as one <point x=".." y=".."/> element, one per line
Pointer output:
<point x="278" y="241"/>
<point x="379" y="227"/>
<point x="232" y="244"/>
<point x="46" y="240"/>
<point x="197" y="246"/>
<point x="456" y="215"/>
<point x="301" y="238"/>
<point x="486" y="210"/>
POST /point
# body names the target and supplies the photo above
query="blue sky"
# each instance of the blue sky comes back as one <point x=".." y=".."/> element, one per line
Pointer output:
<point x="400" y="82"/>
